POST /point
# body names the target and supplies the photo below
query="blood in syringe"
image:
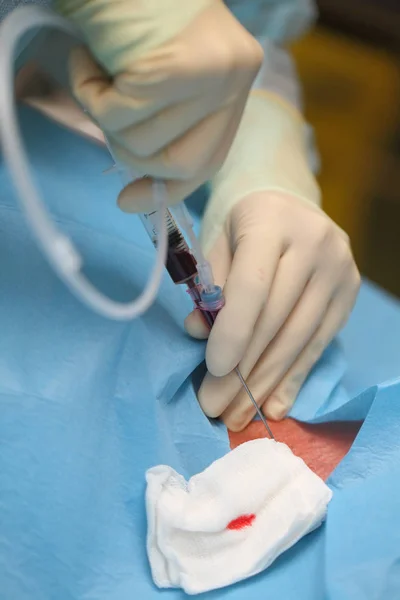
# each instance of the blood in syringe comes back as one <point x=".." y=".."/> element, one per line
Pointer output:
<point x="181" y="264"/>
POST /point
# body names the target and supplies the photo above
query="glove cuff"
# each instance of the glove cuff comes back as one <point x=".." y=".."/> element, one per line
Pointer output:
<point x="269" y="154"/>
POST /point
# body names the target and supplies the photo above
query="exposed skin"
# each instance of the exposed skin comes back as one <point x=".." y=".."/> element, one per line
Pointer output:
<point x="321" y="447"/>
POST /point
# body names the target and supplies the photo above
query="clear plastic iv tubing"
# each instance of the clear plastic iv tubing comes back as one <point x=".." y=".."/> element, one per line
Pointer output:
<point x="58" y="249"/>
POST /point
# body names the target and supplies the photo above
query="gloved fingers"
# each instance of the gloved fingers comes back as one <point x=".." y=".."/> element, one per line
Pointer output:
<point x="333" y="268"/>
<point x="186" y="157"/>
<point x="281" y="399"/>
<point x="203" y="147"/>
<point x="152" y="167"/>
<point x="216" y="393"/>
<point x="194" y="136"/>
<point x="323" y="308"/>
<point x="148" y="137"/>
<point x="220" y="257"/>
<point x="93" y="89"/>
<point x="288" y="285"/>
<point x="196" y="326"/>
<point x="174" y="75"/>
<point x="154" y="77"/>
<point x="246" y="292"/>
<point x="284" y="281"/>
<point x="138" y="197"/>
<point x="275" y="360"/>
<point x="276" y="403"/>
<point x="295" y="333"/>
<point x="291" y="280"/>
<point x="180" y="150"/>
<point x="192" y="67"/>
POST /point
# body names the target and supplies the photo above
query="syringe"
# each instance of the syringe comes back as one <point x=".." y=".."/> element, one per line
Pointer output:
<point x="188" y="266"/>
<point x="184" y="264"/>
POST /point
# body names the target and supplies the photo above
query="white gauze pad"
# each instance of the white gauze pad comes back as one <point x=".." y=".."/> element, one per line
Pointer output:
<point x="232" y="520"/>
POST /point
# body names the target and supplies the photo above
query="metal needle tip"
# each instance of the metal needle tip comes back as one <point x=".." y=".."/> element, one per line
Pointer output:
<point x="250" y="395"/>
<point x="111" y="169"/>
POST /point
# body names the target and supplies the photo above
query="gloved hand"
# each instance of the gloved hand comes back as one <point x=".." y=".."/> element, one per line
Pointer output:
<point x="181" y="73"/>
<point x="288" y="274"/>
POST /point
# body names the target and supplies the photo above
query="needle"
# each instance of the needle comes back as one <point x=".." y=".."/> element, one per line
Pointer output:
<point x="111" y="169"/>
<point x="210" y="316"/>
<point x="250" y="395"/>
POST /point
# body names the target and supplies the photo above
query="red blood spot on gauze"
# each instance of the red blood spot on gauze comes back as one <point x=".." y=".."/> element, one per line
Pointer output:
<point x="241" y="522"/>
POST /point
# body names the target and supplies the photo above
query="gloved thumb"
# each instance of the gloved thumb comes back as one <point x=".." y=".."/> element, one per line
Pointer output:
<point x="196" y="326"/>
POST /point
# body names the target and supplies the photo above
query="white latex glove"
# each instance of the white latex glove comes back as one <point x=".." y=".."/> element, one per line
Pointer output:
<point x="181" y="74"/>
<point x="288" y="274"/>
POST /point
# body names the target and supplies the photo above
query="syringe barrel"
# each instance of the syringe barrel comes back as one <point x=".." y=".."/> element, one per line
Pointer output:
<point x="149" y="221"/>
<point x="181" y="264"/>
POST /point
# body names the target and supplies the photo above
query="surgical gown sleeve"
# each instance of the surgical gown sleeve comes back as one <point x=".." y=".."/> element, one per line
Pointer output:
<point x="277" y="23"/>
<point x="8" y="5"/>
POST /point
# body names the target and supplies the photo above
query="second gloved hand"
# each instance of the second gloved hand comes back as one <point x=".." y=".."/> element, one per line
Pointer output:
<point x="167" y="82"/>
<point x="288" y="274"/>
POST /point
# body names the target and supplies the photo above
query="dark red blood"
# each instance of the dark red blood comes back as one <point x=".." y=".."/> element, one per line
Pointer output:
<point x="241" y="522"/>
<point x="180" y="265"/>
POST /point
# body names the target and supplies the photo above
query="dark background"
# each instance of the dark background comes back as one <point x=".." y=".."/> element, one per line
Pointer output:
<point x="350" y="67"/>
